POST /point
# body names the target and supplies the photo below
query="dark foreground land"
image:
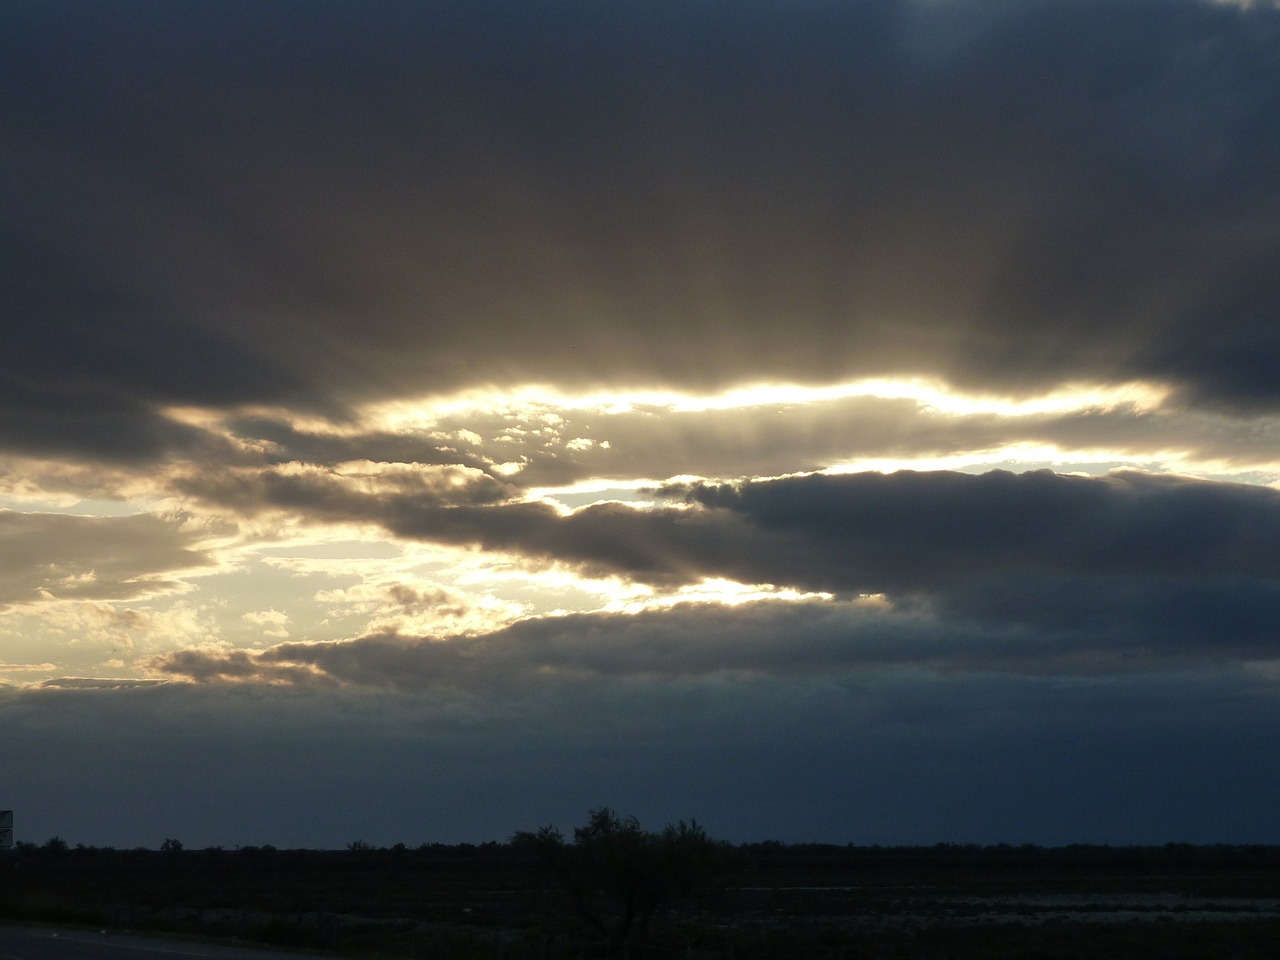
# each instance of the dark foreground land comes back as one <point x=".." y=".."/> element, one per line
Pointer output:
<point x="751" y="902"/>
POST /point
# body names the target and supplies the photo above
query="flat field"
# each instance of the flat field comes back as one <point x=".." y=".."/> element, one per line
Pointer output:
<point x="768" y="900"/>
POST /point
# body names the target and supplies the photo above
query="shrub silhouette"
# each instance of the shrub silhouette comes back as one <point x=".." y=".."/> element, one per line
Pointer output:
<point x="619" y="875"/>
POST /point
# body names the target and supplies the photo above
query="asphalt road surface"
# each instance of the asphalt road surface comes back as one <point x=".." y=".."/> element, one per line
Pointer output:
<point x="61" y="943"/>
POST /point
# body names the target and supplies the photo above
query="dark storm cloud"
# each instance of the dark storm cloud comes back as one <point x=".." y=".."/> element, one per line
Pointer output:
<point x="87" y="367"/>
<point x="312" y="203"/>
<point x="1120" y="620"/>
<point x="45" y="418"/>
<point x="889" y="531"/>
<point x="891" y="758"/>
<point x="52" y="556"/>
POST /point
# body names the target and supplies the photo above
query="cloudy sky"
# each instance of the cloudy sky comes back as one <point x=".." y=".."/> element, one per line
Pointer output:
<point x="850" y="421"/>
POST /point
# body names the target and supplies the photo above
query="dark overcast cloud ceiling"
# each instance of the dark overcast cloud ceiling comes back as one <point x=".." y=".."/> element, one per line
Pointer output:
<point x="244" y="203"/>
<point x="964" y="760"/>
<point x="270" y="213"/>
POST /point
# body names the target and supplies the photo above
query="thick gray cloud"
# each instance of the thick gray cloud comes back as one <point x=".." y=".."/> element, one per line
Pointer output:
<point x="890" y="758"/>
<point x="1031" y="573"/>
<point x="300" y="203"/>
<point x="52" y="418"/>
<point x="908" y="528"/>
<point x="870" y="532"/>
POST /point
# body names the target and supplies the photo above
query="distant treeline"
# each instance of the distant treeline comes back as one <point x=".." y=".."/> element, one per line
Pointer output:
<point x="761" y="853"/>
<point x="614" y="889"/>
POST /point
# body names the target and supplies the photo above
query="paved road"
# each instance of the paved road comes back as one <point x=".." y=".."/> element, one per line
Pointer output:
<point x="62" y="943"/>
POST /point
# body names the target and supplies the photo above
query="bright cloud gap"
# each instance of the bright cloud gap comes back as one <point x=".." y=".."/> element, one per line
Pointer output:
<point x="406" y="414"/>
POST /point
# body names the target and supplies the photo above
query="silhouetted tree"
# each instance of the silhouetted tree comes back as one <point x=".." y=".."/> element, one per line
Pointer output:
<point x="620" y="875"/>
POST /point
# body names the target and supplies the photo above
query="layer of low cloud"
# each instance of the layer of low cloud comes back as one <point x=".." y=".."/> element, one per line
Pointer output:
<point x="1074" y="626"/>
<point x="890" y="758"/>
<point x="1033" y="574"/>
<point x="853" y="533"/>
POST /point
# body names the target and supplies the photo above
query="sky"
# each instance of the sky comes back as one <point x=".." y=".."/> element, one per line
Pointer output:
<point x="832" y="420"/>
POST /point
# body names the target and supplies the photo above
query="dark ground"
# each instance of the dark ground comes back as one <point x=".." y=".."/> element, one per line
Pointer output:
<point x="759" y="901"/>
